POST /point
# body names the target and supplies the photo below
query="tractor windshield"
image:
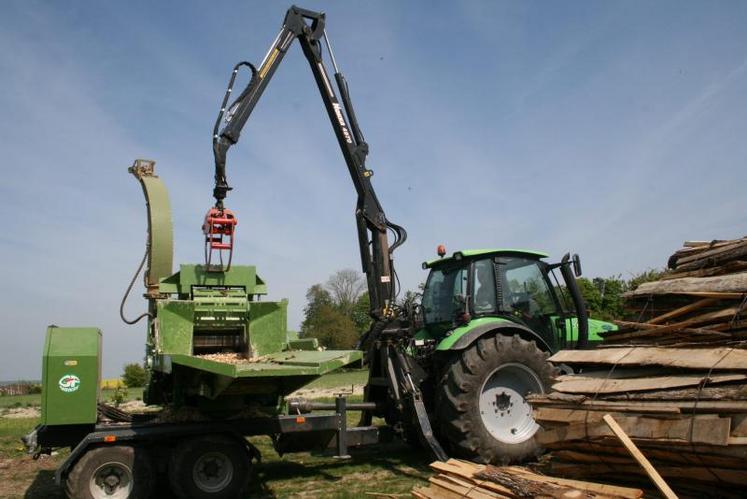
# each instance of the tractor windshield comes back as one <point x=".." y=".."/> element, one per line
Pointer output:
<point x="441" y="300"/>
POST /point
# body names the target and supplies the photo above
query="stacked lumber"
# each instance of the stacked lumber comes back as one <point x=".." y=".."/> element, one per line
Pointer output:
<point x="674" y="378"/>
<point x="685" y="408"/>
<point x="709" y="258"/>
<point x="462" y="479"/>
<point x="702" y="299"/>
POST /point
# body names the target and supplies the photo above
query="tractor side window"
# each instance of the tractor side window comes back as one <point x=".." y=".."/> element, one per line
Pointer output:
<point x="527" y="292"/>
<point x="440" y="302"/>
<point x="484" y="299"/>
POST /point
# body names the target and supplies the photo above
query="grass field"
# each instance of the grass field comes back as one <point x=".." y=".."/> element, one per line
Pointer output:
<point x="35" y="399"/>
<point x="389" y="470"/>
<point x="342" y="380"/>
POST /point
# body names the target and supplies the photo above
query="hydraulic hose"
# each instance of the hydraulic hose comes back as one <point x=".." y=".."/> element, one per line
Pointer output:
<point x="129" y="288"/>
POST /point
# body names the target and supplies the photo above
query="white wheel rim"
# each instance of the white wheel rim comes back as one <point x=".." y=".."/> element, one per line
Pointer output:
<point x="111" y="480"/>
<point x="504" y="409"/>
<point x="212" y="472"/>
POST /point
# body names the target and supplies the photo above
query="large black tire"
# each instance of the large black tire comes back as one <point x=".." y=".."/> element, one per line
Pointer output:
<point x="111" y="472"/>
<point x="481" y="411"/>
<point x="211" y="466"/>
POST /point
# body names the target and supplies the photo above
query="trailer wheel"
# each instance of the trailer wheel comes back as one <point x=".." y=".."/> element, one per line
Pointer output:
<point x="111" y="472"/>
<point x="211" y="466"/>
<point x="482" y="411"/>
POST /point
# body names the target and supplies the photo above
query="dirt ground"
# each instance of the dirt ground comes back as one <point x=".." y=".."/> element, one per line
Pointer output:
<point x="24" y="477"/>
<point x="22" y="413"/>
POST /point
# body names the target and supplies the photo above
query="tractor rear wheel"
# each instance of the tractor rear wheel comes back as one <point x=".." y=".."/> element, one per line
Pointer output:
<point x="211" y="466"/>
<point x="483" y="413"/>
<point x="111" y="472"/>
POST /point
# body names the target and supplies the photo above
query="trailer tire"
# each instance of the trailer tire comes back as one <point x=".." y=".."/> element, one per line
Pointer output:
<point x="481" y="410"/>
<point x="210" y="466"/>
<point x="112" y="472"/>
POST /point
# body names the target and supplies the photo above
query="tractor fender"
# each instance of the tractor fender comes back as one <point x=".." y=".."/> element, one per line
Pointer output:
<point x="468" y="338"/>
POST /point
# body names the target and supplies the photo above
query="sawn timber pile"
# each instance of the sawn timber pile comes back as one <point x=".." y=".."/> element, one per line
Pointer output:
<point x="459" y="479"/>
<point x="674" y="377"/>
<point x="701" y="300"/>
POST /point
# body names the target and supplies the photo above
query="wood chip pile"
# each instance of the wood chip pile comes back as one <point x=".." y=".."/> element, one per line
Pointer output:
<point x="231" y="358"/>
<point x="674" y="378"/>
<point x="462" y="479"/>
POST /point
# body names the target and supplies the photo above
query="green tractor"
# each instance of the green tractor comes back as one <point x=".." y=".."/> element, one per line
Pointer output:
<point x="487" y="323"/>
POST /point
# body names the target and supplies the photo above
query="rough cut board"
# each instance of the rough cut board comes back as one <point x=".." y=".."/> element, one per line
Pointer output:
<point x="694" y="358"/>
<point x="582" y="384"/>
<point x="731" y="283"/>
<point x="735" y="477"/>
<point x="463" y="478"/>
<point x="648" y="406"/>
<point x="695" y="429"/>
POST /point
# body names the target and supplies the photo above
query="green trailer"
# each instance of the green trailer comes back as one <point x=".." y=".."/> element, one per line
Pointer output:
<point x="221" y="364"/>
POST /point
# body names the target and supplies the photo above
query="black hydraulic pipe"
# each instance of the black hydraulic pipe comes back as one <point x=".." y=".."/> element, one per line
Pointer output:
<point x="303" y="405"/>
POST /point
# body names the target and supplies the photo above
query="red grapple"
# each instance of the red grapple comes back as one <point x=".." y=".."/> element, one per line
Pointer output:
<point x="219" y="228"/>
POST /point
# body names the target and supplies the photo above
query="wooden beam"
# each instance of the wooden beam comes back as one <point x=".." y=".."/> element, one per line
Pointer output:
<point x="730" y="283"/>
<point x="706" y="429"/>
<point x="693" y="358"/>
<point x="638" y="456"/>
<point x="583" y="384"/>
<point x="682" y="310"/>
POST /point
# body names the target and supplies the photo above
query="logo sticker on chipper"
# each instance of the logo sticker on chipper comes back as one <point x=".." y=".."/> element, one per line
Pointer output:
<point x="69" y="383"/>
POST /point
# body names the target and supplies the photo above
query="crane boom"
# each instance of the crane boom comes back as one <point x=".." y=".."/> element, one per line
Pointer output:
<point x="308" y="28"/>
<point x="390" y="372"/>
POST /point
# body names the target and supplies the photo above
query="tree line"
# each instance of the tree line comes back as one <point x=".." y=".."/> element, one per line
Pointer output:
<point x="604" y="295"/>
<point x="336" y="312"/>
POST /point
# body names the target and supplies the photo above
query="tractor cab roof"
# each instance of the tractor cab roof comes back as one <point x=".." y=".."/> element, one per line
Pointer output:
<point x="459" y="255"/>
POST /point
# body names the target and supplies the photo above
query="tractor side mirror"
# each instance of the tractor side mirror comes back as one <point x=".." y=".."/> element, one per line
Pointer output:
<point x="577" y="265"/>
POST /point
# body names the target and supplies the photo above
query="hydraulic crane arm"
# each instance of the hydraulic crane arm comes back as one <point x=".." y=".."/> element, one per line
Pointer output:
<point x="376" y="253"/>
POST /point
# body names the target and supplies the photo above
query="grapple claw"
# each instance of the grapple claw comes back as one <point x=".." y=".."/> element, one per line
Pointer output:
<point x="219" y="228"/>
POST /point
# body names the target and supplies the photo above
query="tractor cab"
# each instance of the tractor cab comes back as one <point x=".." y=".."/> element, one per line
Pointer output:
<point x="474" y="286"/>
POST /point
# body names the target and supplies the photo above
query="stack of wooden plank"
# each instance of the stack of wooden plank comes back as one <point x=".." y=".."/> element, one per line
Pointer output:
<point x="674" y="376"/>
<point x="462" y="479"/>
<point x="709" y="258"/>
<point x="685" y="408"/>
<point x="702" y="299"/>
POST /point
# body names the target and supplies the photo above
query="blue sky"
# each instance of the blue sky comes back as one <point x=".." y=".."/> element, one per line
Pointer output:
<point x="613" y="129"/>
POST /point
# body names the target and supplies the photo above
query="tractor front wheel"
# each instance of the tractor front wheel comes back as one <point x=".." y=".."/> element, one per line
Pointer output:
<point x="483" y="413"/>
